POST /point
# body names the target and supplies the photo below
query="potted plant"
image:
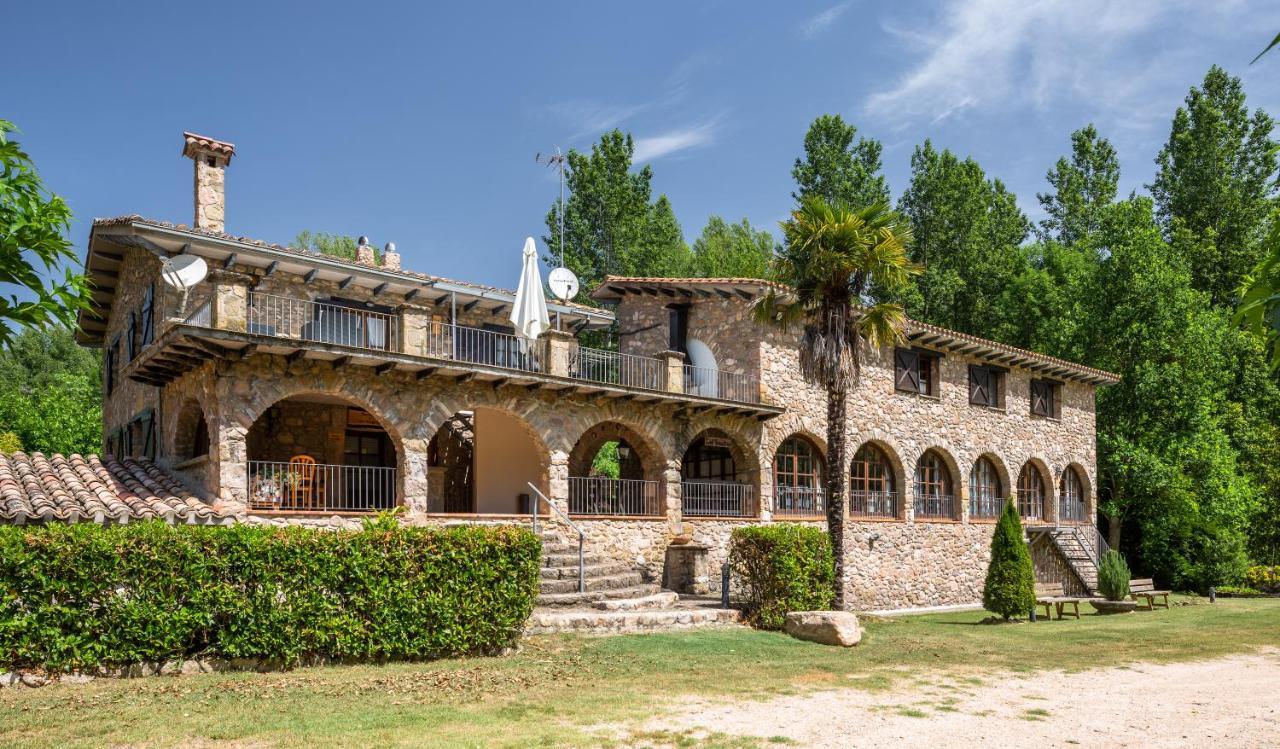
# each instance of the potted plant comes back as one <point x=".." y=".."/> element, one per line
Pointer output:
<point x="1113" y="584"/>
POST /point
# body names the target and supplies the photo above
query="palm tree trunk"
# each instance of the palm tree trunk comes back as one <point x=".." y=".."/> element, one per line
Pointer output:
<point x="836" y="396"/>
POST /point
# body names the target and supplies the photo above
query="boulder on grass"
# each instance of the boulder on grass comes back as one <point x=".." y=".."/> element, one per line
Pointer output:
<point x="825" y="627"/>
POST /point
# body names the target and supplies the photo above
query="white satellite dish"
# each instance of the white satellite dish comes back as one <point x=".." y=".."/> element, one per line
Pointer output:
<point x="563" y="284"/>
<point x="184" y="271"/>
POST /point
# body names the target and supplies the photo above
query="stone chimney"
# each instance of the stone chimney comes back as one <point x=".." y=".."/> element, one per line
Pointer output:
<point x="390" y="258"/>
<point x="211" y="158"/>
<point x="364" y="252"/>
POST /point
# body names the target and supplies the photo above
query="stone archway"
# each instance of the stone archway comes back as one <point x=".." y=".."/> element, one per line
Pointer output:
<point x="718" y="476"/>
<point x="191" y="432"/>
<point x="481" y="461"/>
<point x="616" y="470"/>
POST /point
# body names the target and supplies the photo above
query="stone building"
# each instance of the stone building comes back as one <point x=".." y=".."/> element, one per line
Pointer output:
<point x="290" y="387"/>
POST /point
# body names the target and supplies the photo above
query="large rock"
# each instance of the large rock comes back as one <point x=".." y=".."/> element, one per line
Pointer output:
<point x="825" y="627"/>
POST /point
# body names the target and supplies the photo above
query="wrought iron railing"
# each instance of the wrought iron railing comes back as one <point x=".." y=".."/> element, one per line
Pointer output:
<point x="717" y="499"/>
<point x="873" y="504"/>
<point x="1091" y="540"/>
<point x="322" y="322"/>
<point x="986" y="505"/>
<point x="616" y="368"/>
<point x="597" y="495"/>
<point x="1071" y="509"/>
<point x="309" y="487"/>
<point x="715" y="383"/>
<point x="492" y="348"/>
<point x="935" y="506"/>
<point x="799" y="501"/>
<point x="201" y="315"/>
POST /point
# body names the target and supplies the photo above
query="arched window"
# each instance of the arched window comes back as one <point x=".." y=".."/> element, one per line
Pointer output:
<point x="797" y="478"/>
<point x="986" y="492"/>
<point x="934" y="492"/>
<point x="1030" y="493"/>
<point x="1071" y="496"/>
<point x="871" y="484"/>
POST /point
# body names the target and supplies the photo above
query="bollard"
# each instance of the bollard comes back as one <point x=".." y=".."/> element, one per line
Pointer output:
<point x="1033" y="614"/>
<point x="1213" y="594"/>
<point x="724" y="585"/>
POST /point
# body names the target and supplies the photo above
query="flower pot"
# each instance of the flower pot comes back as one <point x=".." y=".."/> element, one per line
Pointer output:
<point x="1103" y="606"/>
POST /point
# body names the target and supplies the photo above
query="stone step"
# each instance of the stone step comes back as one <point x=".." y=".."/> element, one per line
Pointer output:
<point x="591" y="596"/>
<point x="563" y="548"/>
<point x="661" y="600"/>
<point x="591" y="570"/>
<point x="571" y="560"/>
<point x="618" y="622"/>
<point x="608" y="582"/>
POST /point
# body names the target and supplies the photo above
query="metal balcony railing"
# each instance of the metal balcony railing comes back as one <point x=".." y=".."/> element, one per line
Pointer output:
<point x="301" y="487"/>
<point x="616" y="368"/>
<point x="491" y="348"/>
<point x="935" y="506"/>
<point x="799" y="501"/>
<point x="717" y="499"/>
<point x="873" y="504"/>
<point x="1071" y="509"/>
<point x="985" y="505"/>
<point x="715" y="383"/>
<point x="201" y="315"/>
<point x="597" y="495"/>
<point x="322" y="322"/>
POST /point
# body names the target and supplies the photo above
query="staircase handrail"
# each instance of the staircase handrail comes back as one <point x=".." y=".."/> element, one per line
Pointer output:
<point x="1094" y="543"/>
<point x="582" y="536"/>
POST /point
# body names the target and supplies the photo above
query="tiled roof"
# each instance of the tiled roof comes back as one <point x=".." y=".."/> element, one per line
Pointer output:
<point x="35" y="488"/>
<point x="192" y="141"/>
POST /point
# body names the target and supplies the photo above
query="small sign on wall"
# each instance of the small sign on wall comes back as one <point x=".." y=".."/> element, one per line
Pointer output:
<point x="358" y="417"/>
<point x="723" y="442"/>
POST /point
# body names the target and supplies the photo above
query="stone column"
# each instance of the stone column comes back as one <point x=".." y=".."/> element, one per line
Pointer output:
<point x="232" y="470"/>
<point x="673" y="366"/>
<point x="415" y="330"/>
<point x="230" y="310"/>
<point x="558" y="483"/>
<point x="671" y="481"/>
<point x="560" y="346"/>
<point x="417" y="481"/>
<point x="962" y="496"/>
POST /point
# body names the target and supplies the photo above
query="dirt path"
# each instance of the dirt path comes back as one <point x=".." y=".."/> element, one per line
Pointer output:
<point x="1225" y="703"/>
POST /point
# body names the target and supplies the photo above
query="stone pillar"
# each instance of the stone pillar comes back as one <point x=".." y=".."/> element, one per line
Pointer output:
<point x="673" y="366"/>
<point x="962" y="496"/>
<point x="232" y="470"/>
<point x="560" y="345"/>
<point x="417" y="480"/>
<point x="230" y="310"/>
<point x="415" y="329"/>
<point x="558" y="483"/>
<point x="211" y="159"/>
<point x="671" y="481"/>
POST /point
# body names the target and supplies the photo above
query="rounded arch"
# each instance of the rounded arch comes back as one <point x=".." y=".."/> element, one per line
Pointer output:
<point x="191" y="433"/>
<point x="799" y="471"/>
<point x="1034" y="490"/>
<point x="876" y="481"/>
<point x="1073" y="494"/>
<point x="481" y="459"/>
<point x="647" y="454"/>
<point x="988" y="486"/>
<point x="936" y="485"/>
<point x="719" y="475"/>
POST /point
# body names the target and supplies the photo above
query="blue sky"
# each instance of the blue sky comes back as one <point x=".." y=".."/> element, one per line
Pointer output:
<point x="419" y="124"/>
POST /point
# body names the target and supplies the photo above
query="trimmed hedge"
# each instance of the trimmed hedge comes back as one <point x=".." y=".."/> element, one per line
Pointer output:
<point x="81" y="596"/>
<point x="780" y="568"/>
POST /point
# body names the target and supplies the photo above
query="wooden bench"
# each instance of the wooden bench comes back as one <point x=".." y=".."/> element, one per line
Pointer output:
<point x="1146" y="589"/>
<point x="1053" y="594"/>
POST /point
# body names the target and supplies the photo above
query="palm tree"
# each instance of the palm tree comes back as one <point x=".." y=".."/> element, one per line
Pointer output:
<point x="831" y="255"/>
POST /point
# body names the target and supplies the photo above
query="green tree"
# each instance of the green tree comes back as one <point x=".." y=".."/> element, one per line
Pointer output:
<point x="836" y="169"/>
<point x="51" y="392"/>
<point x="1083" y="187"/>
<point x="726" y="250"/>
<point x="33" y="227"/>
<point x="1216" y="182"/>
<point x="1010" y="588"/>
<point x="1259" y="310"/>
<point x="612" y="224"/>
<point x="831" y="256"/>
<point x="968" y="232"/>
<point x="338" y="246"/>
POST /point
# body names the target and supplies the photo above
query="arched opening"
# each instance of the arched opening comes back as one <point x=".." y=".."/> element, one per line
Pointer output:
<point x="321" y="453"/>
<point x="871" y="486"/>
<point x="986" y="490"/>
<point x="715" y="479"/>
<point x="481" y="461"/>
<point x="934" y="488"/>
<point x="191" y="435"/>
<point x="1031" y="492"/>
<point x="798" y="470"/>
<point x="613" y="470"/>
<point x="1071" y="496"/>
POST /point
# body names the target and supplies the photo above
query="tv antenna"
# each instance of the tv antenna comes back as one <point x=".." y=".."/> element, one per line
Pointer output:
<point x="561" y="280"/>
<point x="556" y="160"/>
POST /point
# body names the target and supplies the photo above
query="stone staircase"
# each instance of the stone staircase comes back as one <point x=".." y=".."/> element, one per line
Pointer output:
<point x="617" y="599"/>
<point x="1073" y="550"/>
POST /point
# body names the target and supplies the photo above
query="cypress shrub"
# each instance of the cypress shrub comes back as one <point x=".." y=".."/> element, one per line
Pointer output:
<point x="1010" y="589"/>
<point x="82" y="596"/>
<point x="780" y="568"/>
<point x="1113" y="576"/>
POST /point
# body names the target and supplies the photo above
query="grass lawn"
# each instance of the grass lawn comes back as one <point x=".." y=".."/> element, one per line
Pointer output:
<point x="555" y="687"/>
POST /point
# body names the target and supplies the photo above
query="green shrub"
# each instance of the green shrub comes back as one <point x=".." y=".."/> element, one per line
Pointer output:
<point x="780" y="568"/>
<point x="10" y="443"/>
<point x="85" y="595"/>
<point x="1263" y="578"/>
<point x="1113" y="576"/>
<point x="1239" y="591"/>
<point x="1010" y="588"/>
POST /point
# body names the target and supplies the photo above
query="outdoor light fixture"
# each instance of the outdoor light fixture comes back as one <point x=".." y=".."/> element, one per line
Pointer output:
<point x="624" y="452"/>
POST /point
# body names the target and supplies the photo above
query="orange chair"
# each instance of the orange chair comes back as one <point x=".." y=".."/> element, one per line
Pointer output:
<point x="302" y="480"/>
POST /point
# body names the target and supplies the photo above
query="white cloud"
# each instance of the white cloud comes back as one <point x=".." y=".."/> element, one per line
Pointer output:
<point x="819" y="23"/>
<point x="673" y="141"/>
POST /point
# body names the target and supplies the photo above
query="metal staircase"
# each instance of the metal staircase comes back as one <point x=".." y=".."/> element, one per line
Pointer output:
<point x="1082" y="546"/>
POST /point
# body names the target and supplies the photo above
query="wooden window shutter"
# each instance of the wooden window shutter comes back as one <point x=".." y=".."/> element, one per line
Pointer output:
<point x="149" y="435"/>
<point x="980" y="386"/>
<point x="148" y="315"/>
<point x="907" y="375"/>
<point x="1041" y="398"/>
<point x="132" y="333"/>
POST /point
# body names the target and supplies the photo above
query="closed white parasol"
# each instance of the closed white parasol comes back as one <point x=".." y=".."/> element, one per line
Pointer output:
<point x="529" y="314"/>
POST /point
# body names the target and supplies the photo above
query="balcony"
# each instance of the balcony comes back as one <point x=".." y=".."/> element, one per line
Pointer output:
<point x="414" y="340"/>
<point x="717" y="499"/>
<point x="599" y="496"/>
<point x="935" y="507"/>
<point x="310" y="487"/>
<point x="799" y="501"/>
<point x="873" y="504"/>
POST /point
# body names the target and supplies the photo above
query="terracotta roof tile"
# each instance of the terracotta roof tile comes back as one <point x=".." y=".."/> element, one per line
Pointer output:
<point x="35" y="488"/>
<point x="192" y="141"/>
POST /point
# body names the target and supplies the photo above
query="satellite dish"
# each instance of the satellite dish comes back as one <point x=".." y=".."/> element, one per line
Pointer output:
<point x="563" y="284"/>
<point x="184" y="271"/>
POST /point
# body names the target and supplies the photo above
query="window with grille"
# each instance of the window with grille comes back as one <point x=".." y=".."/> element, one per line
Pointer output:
<point x="1031" y="493"/>
<point x="1044" y="398"/>
<point x="933" y="490"/>
<point x="915" y="372"/>
<point x="986" y="492"/>
<point x="797" y="477"/>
